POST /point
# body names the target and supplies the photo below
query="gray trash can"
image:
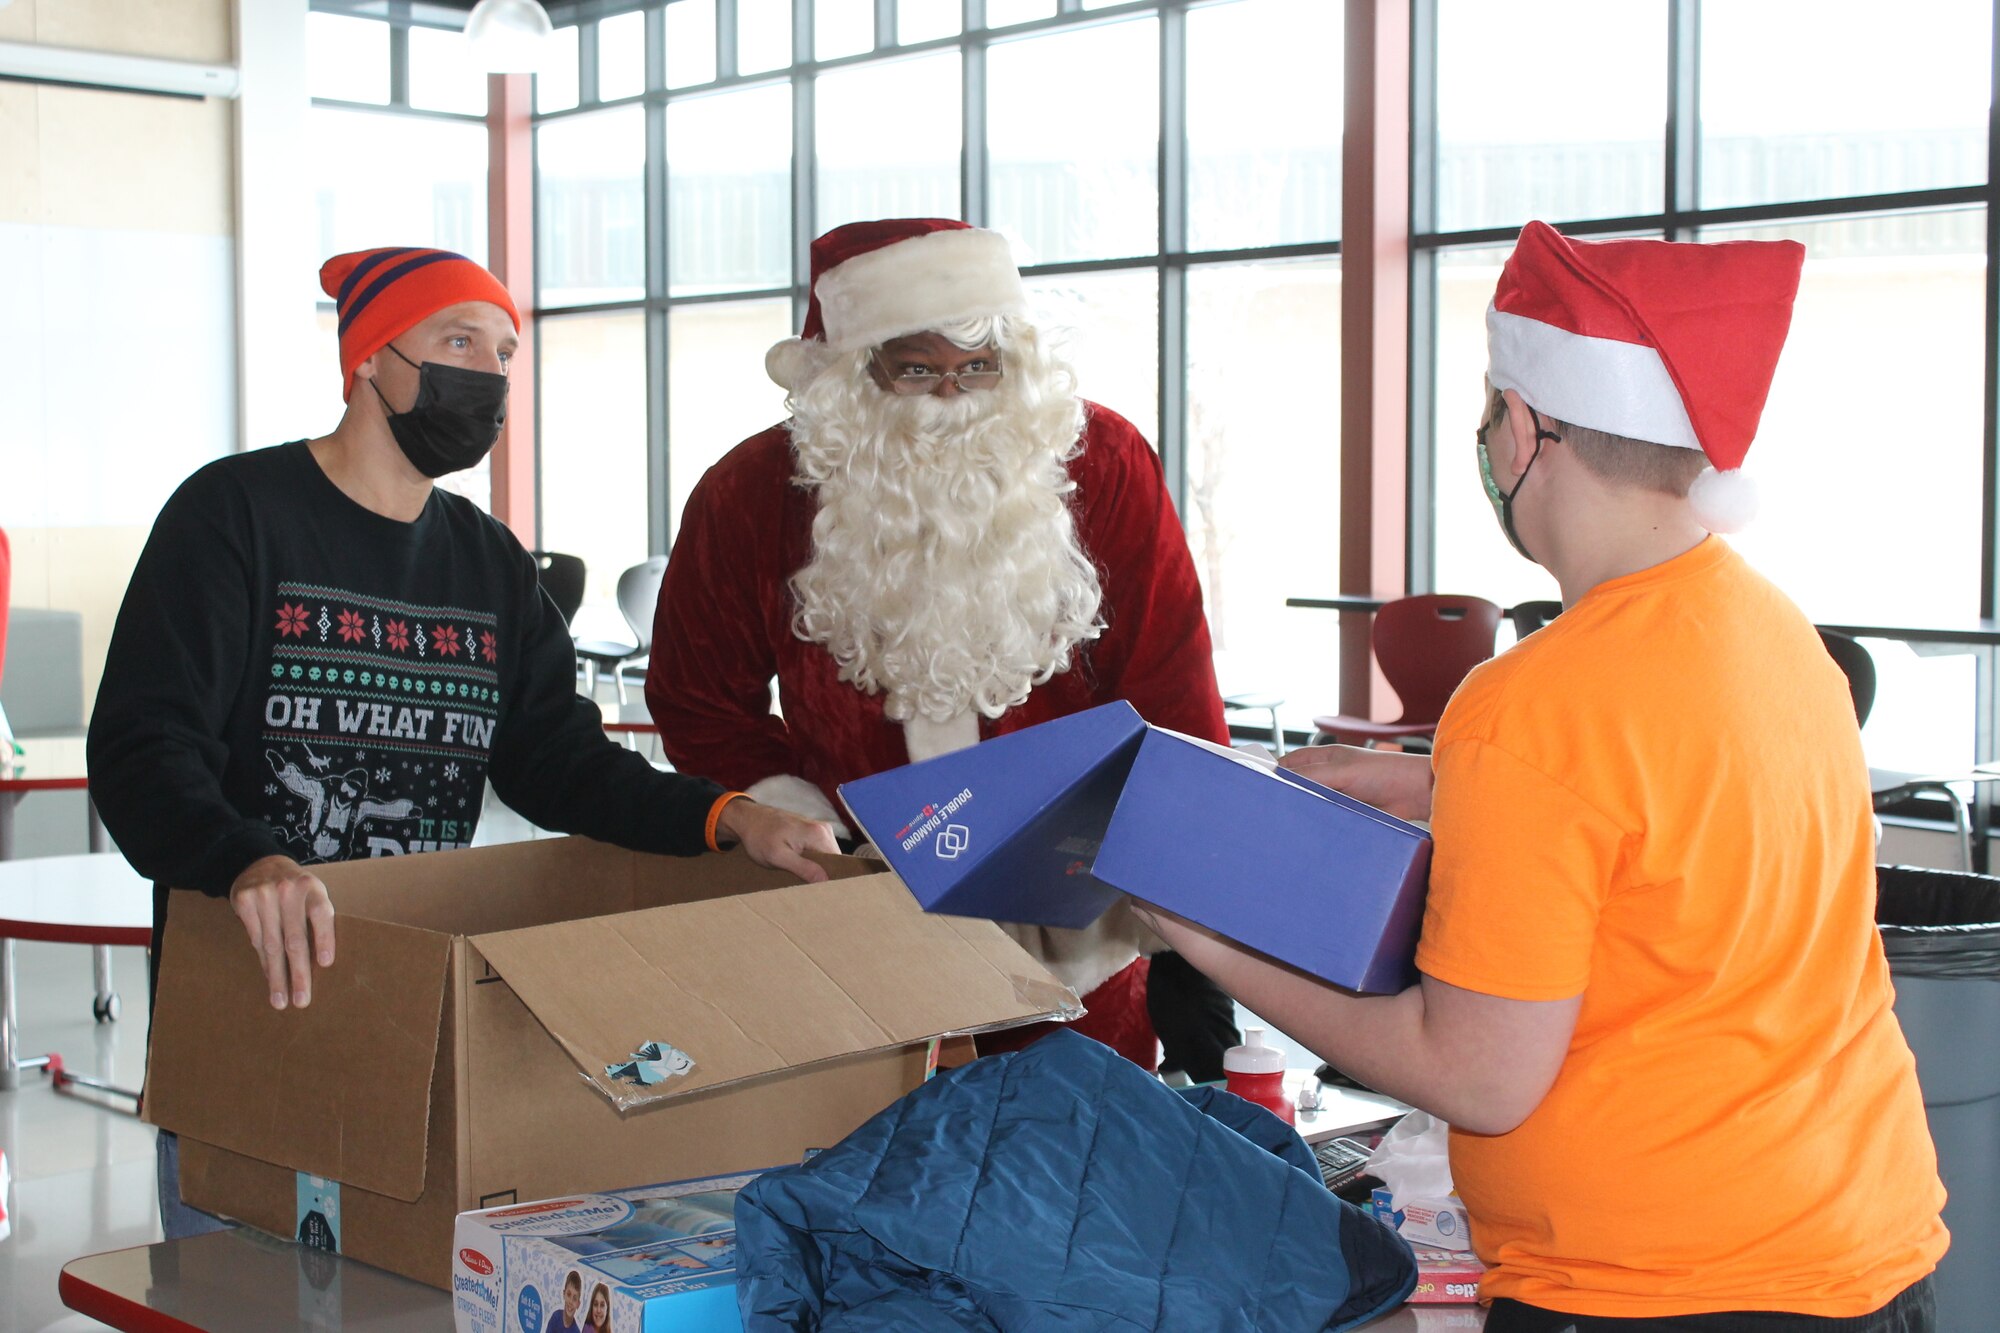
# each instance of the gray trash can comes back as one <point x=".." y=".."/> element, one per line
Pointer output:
<point x="1941" y="931"/>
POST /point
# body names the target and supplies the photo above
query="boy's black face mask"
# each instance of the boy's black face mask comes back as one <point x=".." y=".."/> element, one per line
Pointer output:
<point x="455" y="421"/>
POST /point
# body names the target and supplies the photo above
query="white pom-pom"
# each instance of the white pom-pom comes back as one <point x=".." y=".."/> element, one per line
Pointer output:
<point x="790" y="363"/>
<point x="1723" y="501"/>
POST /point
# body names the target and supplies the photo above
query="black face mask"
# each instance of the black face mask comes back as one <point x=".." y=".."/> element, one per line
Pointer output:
<point x="456" y="419"/>
<point x="1503" y="501"/>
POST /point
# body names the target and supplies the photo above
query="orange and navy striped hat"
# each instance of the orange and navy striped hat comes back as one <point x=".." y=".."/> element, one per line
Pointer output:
<point x="381" y="294"/>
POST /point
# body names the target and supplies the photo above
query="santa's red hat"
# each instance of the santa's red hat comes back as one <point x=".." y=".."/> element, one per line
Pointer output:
<point x="873" y="281"/>
<point x="1668" y="342"/>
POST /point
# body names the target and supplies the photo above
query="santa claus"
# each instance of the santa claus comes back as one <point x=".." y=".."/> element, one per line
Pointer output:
<point x="944" y="543"/>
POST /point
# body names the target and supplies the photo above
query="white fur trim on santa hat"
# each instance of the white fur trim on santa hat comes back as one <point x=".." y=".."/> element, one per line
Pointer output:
<point x="922" y="283"/>
<point x="926" y="739"/>
<point x="1724" y="501"/>
<point x="786" y="792"/>
<point x="1617" y="387"/>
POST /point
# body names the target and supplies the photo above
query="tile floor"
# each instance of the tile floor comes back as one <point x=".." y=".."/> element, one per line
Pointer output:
<point x="83" y="1169"/>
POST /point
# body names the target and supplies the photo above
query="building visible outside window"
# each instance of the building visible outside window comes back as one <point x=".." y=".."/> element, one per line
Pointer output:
<point x="1820" y="122"/>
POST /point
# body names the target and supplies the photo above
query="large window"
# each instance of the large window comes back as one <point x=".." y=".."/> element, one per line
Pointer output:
<point x="1169" y="175"/>
<point x="1821" y="122"/>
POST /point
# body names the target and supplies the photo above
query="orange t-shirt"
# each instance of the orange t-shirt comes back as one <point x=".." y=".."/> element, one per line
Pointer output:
<point x="1659" y="801"/>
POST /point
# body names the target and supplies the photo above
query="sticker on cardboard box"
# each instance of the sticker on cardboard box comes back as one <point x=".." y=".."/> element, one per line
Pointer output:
<point x="317" y="1225"/>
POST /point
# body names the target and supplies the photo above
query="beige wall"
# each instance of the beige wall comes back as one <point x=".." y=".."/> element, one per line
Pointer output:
<point x="119" y="175"/>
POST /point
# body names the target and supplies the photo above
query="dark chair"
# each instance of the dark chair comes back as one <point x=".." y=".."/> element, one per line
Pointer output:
<point x="638" y="595"/>
<point x="1527" y="617"/>
<point x="1425" y="645"/>
<point x="1887" y="786"/>
<point x="562" y="579"/>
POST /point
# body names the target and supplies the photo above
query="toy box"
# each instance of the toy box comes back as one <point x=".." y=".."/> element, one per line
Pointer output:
<point x="644" y="1260"/>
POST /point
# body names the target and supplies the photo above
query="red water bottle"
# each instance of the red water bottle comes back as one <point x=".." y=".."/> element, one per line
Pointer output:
<point x="1256" y="1073"/>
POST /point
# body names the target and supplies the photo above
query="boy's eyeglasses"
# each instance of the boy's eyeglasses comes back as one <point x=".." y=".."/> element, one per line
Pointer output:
<point x="913" y="380"/>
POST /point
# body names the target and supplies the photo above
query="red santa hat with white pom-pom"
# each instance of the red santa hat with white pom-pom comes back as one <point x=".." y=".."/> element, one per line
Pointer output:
<point x="1667" y="342"/>
<point x="874" y="281"/>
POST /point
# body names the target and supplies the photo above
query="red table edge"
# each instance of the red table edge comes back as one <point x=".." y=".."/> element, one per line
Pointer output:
<point x="95" y="1302"/>
<point x="52" y="933"/>
<point x="28" y="784"/>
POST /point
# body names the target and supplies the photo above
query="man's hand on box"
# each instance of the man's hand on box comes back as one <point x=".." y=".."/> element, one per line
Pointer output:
<point x="777" y="838"/>
<point x="1386" y="779"/>
<point x="283" y="908"/>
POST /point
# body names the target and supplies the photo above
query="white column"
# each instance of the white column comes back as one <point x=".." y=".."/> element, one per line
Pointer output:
<point x="286" y="385"/>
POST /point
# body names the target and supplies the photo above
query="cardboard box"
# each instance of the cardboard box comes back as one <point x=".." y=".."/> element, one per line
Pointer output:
<point x="1050" y="824"/>
<point x="664" y="1256"/>
<point x="454" y="1056"/>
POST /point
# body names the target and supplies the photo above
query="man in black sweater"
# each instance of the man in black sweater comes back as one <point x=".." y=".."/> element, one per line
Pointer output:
<point x="322" y="656"/>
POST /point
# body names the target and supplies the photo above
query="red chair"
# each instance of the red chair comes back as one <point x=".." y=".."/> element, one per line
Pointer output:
<point x="1425" y="645"/>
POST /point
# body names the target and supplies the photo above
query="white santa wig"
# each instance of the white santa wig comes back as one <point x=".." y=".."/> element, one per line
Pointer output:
<point x="946" y="573"/>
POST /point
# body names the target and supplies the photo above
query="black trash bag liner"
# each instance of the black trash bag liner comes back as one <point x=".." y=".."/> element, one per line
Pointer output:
<point x="1938" y="923"/>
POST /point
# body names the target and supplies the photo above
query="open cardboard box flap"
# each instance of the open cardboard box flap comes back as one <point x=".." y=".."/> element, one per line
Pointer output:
<point x="228" y="1069"/>
<point x="758" y="982"/>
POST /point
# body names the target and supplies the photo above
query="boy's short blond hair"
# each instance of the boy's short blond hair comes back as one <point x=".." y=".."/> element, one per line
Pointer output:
<point x="1621" y="460"/>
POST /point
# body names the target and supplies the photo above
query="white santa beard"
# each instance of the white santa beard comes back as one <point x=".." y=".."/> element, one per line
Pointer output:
<point x="946" y="573"/>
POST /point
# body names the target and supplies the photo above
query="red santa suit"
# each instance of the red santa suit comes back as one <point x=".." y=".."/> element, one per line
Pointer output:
<point x="724" y="630"/>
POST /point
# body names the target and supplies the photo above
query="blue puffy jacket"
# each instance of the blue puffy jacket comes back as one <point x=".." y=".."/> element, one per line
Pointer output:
<point x="1060" y="1188"/>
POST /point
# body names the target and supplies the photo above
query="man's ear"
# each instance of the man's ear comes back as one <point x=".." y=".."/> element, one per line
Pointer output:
<point x="1520" y="451"/>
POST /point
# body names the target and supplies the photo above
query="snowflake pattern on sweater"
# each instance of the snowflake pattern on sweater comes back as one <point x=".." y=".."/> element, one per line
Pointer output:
<point x="378" y="723"/>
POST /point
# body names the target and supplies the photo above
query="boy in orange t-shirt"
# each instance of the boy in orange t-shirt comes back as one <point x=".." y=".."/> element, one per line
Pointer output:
<point x="1653" y="1004"/>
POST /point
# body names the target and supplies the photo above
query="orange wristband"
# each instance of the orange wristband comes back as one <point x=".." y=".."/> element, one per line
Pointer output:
<point x="715" y="816"/>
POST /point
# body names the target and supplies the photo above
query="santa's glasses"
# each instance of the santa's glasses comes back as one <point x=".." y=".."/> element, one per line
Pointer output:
<point x="913" y="380"/>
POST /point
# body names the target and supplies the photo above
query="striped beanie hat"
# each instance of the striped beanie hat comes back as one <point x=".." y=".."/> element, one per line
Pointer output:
<point x="381" y="294"/>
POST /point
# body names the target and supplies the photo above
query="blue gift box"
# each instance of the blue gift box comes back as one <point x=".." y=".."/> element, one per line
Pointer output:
<point x="1049" y="824"/>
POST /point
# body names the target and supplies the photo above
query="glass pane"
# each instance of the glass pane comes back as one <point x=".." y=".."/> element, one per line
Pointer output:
<point x="443" y="76"/>
<point x="621" y="56"/>
<point x="347" y="59"/>
<point x="1263" y="150"/>
<point x="590" y="233"/>
<point x="729" y="191"/>
<point x="923" y="20"/>
<point x="1263" y="451"/>
<point x="1076" y="176"/>
<point x="1848" y="533"/>
<point x="875" y="166"/>
<point x="1108" y="326"/>
<point x="1867" y="285"/>
<point x="763" y="35"/>
<point x="1001" y="13"/>
<point x="690" y="43"/>
<point x="1843" y="104"/>
<point x="594" y="487"/>
<point x="1472" y="557"/>
<point x="718" y="393"/>
<point x="1503" y="159"/>
<point x="843" y="28"/>
<point x="556" y="76"/>
<point x="422" y="182"/>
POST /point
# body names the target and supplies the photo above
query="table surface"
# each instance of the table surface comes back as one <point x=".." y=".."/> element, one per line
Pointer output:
<point x="1344" y="602"/>
<point x="630" y="716"/>
<point x="46" y="763"/>
<point x="243" y="1281"/>
<point x="1977" y="633"/>
<point x="95" y="898"/>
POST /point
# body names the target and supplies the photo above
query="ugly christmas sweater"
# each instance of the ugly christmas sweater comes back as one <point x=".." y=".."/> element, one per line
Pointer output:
<point x="294" y="674"/>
